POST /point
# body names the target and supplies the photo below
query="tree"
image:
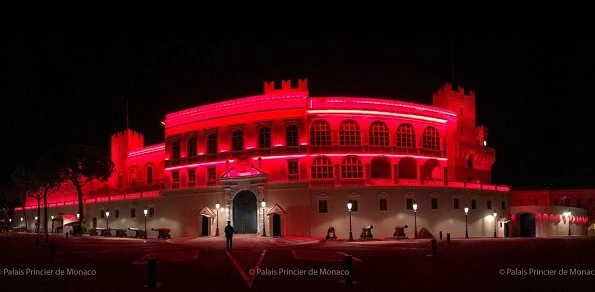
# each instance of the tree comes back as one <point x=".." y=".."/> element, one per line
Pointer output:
<point x="81" y="164"/>
<point x="24" y="184"/>
<point x="48" y="177"/>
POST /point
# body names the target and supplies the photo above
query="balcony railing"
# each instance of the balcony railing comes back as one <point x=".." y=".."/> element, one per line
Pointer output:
<point x="303" y="149"/>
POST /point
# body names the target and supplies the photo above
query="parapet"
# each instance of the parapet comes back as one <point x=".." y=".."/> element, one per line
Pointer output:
<point x="269" y="87"/>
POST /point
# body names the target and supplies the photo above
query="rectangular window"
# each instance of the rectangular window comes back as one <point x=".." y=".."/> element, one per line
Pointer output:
<point x="567" y="202"/>
<point x="175" y="149"/>
<point x="102" y="215"/>
<point x="535" y="202"/>
<point x="191" y="175"/>
<point x="473" y="204"/>
<point x="555" y="202"/>
<point x="117" y="213"/>
<point x="322" y="206"/>
<point x="149" y="174"/>
<point x="489" y="204"/>
<point x="132" y="213"/>
<point x="383" y="205"/>
<point x="579" y="203"/>
<point x="175" y="176"/>
<point x="211" y="173"/>
<point x="192" y="146"/>
<point x="590" y="200"/>
<point x="503" y="205"/>
<point x="455" y="204"/>
<point x="354" y="206"/>
<point x="212" y="144"/>
<point x="151" y="212"/>
<point x="264" y="138"/>
<point x="292" y="168"/>
<point x="434" y="203"/>
<point x="409" y="204"/>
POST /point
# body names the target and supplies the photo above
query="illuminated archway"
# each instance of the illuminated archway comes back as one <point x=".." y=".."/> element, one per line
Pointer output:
<point x="380" y="167"/>
<point x="407" y="168"/>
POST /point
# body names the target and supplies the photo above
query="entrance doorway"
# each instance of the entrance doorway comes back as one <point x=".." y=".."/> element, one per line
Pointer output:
<point x="507" y="229"/>
<point x="244" y="212"/>
<point x="276" y="225"/>
<point x="94" y="222"/>
<point x="527" y="225"/>
<point x="205" y="226"/>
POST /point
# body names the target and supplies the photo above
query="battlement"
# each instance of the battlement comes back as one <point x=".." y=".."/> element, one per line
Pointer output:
<point x="269" y="87"/>
<point x="447" y="87"/>
<point x="127" y="131"/>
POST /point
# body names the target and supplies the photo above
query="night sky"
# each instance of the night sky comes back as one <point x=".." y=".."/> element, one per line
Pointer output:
<point x="535" y="97"/>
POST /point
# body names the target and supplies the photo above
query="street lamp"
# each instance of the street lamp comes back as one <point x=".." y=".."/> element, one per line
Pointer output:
<point x="495" y="223"/>
<point x="145" y="211"/>
<point x="349" y="206"/>
<point x="36" y="225"/>
<point x="52" y="223"/>
<point x="466" y="231"/>
<point x="78" y="216"/>
<point x="264" y="229"/>
<point x="217" y="206"/>
<point x="415" y="218"/>
<point x="567" y="214"/>
<point x="107" y="219"/>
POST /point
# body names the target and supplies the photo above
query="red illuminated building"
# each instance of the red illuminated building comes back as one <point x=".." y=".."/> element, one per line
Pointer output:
<point x="306" y="157"/>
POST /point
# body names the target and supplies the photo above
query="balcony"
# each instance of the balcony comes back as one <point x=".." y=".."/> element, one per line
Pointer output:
<point x="327" y="183"/>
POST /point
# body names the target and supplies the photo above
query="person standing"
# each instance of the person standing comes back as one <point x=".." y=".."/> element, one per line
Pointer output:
<point x="228" y="235"/>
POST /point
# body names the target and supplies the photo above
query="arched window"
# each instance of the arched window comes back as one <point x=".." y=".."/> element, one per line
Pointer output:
<point x="149" y="174"/>
<point x="349" y="133"/>
<point x="237" y="140"/>
<point x="320" y="133"/>
<point x="133" y="175"/>
<point x="432" y="170"/>
<point x="212" y="143"/>
<point x="351" y="167"/>
<point x="120" y="178"/>
<point x="405" y="136"/>
<point x="470" y="161"/>
<point x="431" y="139"/>
<point x="264" y="138"/>
<point x="291" y="136"/>
<point x="380" y="167"/>
<point x="322" y="168"/>
<point x="378" y="133"/>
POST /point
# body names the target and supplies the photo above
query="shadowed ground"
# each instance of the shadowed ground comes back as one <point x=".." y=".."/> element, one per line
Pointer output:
<point x="295" y="264"/>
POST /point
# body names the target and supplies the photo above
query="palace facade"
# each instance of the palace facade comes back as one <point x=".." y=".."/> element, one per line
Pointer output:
<point x="287" y="163"/>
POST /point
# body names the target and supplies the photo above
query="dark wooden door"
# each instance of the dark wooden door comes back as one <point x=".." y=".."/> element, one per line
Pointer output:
<point x="205" y="226"/>
<point x="244" y="212"/>
<point x="276" y="225"/>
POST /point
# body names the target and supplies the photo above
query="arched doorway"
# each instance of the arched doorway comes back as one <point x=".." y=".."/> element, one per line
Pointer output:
<point x="244" y="212"/>
<point x="527" y="225"/>
<point x="276" y="225"/>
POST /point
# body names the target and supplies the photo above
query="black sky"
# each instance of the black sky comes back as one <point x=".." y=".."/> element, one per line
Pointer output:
<point x="535" y="97"/>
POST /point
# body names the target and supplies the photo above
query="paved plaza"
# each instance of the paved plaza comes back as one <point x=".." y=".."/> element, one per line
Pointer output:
<point x="290" y="264"/>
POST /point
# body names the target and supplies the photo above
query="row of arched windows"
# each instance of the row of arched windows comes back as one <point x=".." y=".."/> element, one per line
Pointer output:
<point x="380" y="167"/>
<point x="350" y="135"/>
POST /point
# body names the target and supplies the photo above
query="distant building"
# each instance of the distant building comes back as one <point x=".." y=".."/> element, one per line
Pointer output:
<point x="306" y="157"/>
<point x="543" y="212"/>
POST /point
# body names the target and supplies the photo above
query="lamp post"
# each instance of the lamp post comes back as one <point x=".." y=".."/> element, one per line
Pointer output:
<point x="52" y="223"/>
<point x="78" y="216"/>
<point x="415" y="219"/>
<point x="107" y="219"/>
<point x="22" y="222"/>
<point x="145" y="211"/>
<point x="567" y="214"/>
<point x="466" y="231"/>
<point x="217" y="206"/>
<point x="495" y="223"/>
<point x="10" y="220"/>
<point x="264" y="229"/>
<point x="349" y="206"/>
<point x="36" y="225"/>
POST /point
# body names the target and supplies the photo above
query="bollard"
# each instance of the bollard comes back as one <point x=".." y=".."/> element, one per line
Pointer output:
<point x="434" y="248"/>
<point x="440" y="235"/>
<point x="348" y="266"/>
<point x="152" y="276"/>
<point x="448" y="238"/>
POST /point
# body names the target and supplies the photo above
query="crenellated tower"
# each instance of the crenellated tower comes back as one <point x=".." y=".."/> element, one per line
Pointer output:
<point x="121" y="143"/>
<point x="469" y="158"/>
<point x="269" y="87"/>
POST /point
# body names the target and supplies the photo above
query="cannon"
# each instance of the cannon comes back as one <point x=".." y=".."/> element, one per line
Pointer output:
<point x="121" y="233"/>
<point x="366" y="232"/>
<point x="330" y="234"/>
<point x="138" y="233"/>
<point x="163" y="233"/>
<point x="400" y="232"/>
